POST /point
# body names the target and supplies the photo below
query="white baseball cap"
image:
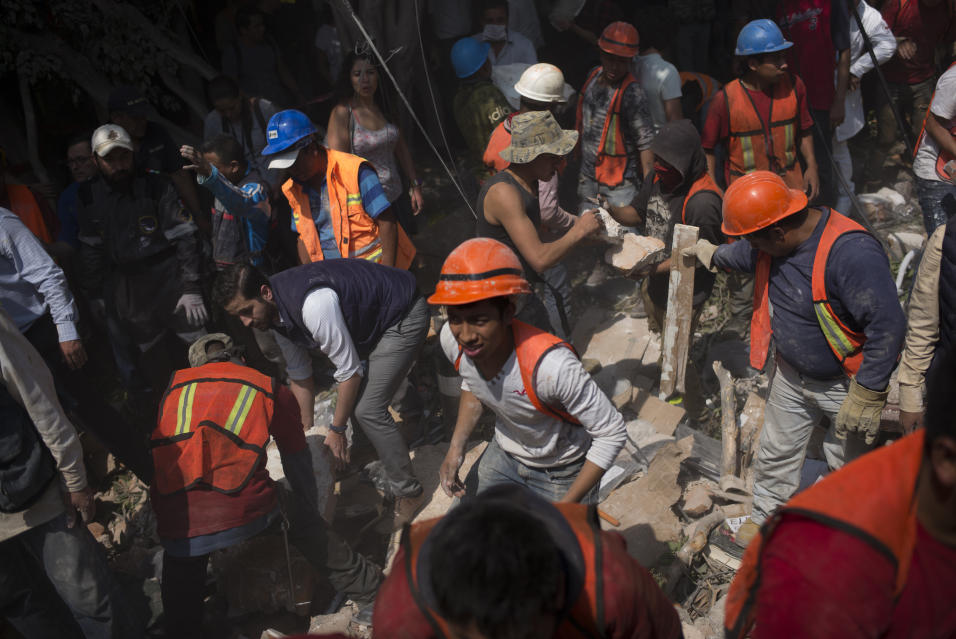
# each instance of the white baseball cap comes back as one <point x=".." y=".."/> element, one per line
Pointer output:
<point x="108" y="137"/>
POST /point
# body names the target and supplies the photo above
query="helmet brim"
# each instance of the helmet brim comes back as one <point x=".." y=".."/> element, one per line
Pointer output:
<point x="780" y="47"/>
<point x="798" y="202"/>
<point x="284" y="160"/>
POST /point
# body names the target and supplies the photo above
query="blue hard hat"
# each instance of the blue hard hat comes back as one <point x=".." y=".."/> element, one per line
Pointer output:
<point x="760" y="36"/>
<point x="285" y="128"/>
<point x="468" y="55"/>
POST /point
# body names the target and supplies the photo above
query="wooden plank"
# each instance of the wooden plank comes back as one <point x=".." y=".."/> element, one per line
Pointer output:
<point x="728" y="421"/>
<point x="675" y="336"/>
<point x="751" y="423"/>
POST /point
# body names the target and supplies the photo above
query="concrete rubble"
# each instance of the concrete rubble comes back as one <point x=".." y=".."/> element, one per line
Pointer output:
<point x="634" y="253"/>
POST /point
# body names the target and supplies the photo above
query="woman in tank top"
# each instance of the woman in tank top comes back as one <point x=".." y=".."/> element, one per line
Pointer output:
<point x="358" y="125"/>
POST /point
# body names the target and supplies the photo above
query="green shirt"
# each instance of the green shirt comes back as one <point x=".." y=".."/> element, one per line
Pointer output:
<point x="479" y="106"/>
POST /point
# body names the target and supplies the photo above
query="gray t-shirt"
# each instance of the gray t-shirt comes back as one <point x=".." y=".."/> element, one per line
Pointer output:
<point x="944" y="106"/>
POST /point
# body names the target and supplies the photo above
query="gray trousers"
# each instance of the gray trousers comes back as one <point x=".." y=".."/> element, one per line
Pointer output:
<point x="795" y="405"/>
<point x="388" y="366"/>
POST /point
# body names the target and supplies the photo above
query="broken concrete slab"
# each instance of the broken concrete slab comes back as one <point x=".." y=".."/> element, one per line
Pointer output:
<point x="644" y="507"/>
<point x="426" y="462"/>
<point x="697" y="499"/>
<point x="634" y="253"/>
<point x="618" y="343"/>
<point x="662" y="416"/>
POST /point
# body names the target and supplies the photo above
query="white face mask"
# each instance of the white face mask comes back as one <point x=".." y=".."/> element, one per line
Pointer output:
<point x="495" y="32"/>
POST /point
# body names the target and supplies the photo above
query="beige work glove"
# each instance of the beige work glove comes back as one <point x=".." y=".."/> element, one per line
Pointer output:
<point x="860" y="413"/>
<point x="703" y="251"/>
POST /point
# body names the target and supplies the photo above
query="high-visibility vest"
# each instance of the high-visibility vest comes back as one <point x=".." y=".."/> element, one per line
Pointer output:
<point x="213" y="428"/>
<point x="846" y="344"/>
<point x="750" y="148"/>
<point x="25" y="205"/>
<point x="708" y="85"/>
<point x="356" y="232"/>
<point x="847" y="501"/>
<point x="611" y="159"/>
<point x="499" y="141"/>
<point x="531" y="345"/>
<point x="586" y="616"/>
<point x="703" y="183"/>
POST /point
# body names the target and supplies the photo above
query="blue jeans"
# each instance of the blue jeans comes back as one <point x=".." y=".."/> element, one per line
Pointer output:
<point x="498" y="467"/>
<point x="75" y="565"/>
<point x="938" y="201"/>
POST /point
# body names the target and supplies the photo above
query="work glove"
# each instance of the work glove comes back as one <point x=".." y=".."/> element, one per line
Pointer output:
<point x="860" y="413"/>
<point x="703" y="251"/>
<point x="192" y="306"/>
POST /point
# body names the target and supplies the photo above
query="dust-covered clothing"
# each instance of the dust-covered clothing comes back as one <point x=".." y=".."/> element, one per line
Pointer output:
<point x="944" y="107"/>
<point x="478" y="107"/>
<point x="660" y="81"/>
<point x="637" y="126"/>
<point x="861" y="292"/>
<point x="679" y="145"/>
<point x="525" y="433"/>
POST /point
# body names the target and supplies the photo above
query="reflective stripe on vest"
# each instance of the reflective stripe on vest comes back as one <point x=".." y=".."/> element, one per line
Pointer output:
<point x="750" y="148"/>
<point x="703" y="183"/>
<point x="531" y="345"/>
<point x="212" y="429"/>
<point x="24" y="204"/>
<point x="611" y="161"/>
<point x="356" y="232"/>
<point x="845" y="500"/>
<point x="586" y="616"/>
<point x="846" y="344"/>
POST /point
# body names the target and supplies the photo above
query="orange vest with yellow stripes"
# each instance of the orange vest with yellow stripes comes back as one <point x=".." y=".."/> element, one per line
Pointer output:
<point x="356" y="232"/>
<point x="213" y="428"/>
<point x="611" y="162"/>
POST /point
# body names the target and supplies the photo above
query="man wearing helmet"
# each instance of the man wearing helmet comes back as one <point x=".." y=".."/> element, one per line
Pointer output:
<point x="212" y="489"/>
<point x="556" y="432"/>
<point x="837" y="328"/>
<point x="338" y="206"/>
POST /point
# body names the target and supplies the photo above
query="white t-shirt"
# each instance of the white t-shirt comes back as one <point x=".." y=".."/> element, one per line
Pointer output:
<point x="944" y="106"/>
<point x="322" y="315"/>
<point x="517" y="49"/>
<point x="660" y="81"/>
<point x="536" y="439"/>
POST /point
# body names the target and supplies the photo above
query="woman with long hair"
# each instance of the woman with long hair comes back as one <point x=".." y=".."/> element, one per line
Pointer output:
<point x="359" y="125"/>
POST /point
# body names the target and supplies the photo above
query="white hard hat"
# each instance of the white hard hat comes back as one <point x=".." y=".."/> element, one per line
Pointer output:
<point x="542" y="82"/>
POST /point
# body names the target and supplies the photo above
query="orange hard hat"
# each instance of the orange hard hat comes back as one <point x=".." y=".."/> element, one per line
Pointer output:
<point x="620" y="39"/>
<point x="757" y="200"/>
<point x="479" y="269"/>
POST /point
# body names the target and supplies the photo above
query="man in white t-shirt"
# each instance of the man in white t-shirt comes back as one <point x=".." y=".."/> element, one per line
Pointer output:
<point x="556" y="432"/>
<point x="935" y="150"/>
<point x="658" y="77"/>
<point x="507" y="45"/>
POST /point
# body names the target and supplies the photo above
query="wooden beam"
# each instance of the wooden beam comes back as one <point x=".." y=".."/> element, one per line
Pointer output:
<point x="675" y="335"/>
<point x="728" y="421"/>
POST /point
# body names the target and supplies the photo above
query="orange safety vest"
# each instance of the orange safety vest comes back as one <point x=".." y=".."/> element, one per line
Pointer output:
<point x="750" y="148"/>
<point x="612" y="153"/>
<point x="586" y="617"/>
<point x="499" y="141"/>
<point x="356" y="233"/>
<point x="531" y="345"/>
<point x="708" y="85"/>
<point x="212" y="429"/>
<point x="846" y="344"/>
<point x="703" y="183"/>
<point x="847" y="501"/>
<point x="24" y="204"/>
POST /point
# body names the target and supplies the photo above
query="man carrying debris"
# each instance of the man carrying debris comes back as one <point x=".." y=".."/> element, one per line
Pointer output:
<point x="837" y="327"/>
<point x="509" y="210"/>
<point x="212" y="489"/>
<point x="556" y="431"/>
<point x="370" y="321"/>
<point x="681" y="192"/>
<point x="509" y="564"/>
<point x="869" y="551"/>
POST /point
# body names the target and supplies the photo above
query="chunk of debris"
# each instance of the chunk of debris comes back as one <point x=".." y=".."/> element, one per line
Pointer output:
<point x="426" y="462"/>
<point x="324" y="480"/>
<point x="634" y="253"/>
<point x="697" y="499"/>
<point x="612" y="228"/>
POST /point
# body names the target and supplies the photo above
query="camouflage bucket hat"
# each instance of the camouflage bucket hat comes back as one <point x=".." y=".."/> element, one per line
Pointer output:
<point x="534" y="133"/>
<point x="197" y="352"/>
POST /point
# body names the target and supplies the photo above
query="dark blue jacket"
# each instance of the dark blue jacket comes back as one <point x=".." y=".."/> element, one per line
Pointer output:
<point x="372" y="297"/>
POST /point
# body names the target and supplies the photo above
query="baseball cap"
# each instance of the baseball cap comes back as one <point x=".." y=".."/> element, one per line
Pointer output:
<point x="108" y="137"/>
<point x="128" y="99"/>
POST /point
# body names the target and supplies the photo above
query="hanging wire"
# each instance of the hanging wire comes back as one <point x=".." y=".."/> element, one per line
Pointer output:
<point x="428" y="80"/>
<point x="347" y="8"/>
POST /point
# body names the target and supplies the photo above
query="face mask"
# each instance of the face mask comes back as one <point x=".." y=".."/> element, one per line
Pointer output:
<point x="668" y="177"/>
<point x="495" y="32"/>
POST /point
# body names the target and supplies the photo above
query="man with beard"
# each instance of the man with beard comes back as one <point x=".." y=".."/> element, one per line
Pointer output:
<point x="139" y="255"/>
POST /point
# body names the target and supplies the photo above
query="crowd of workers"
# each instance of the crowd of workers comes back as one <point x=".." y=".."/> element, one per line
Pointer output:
<point x="211" y="277"/>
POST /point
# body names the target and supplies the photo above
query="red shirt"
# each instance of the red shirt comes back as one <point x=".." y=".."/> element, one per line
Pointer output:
<point x="820" y="582"/>
<point x="634" y="606"/>
<point x="717" y="126"/>
<point x="927" y="27"/>
<point x="203" y="512"/>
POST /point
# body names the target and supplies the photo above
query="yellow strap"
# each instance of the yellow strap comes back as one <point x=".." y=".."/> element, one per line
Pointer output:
<point x="747" y="150"/>
<point x="832" y="331"/>
<point x="185" y="411"/>
<point x="240" y="409"/>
